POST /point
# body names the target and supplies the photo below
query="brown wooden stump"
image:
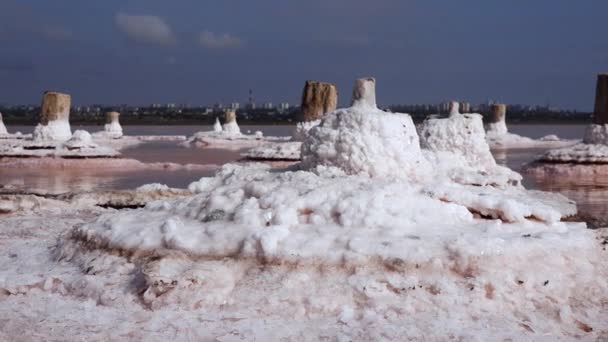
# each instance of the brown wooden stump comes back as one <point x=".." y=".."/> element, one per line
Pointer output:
<point x="55" y="106"/>
<point x="318" y="98"/>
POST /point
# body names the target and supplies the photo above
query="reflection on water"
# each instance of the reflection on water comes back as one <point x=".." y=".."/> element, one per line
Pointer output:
<point x="86" y="180"/>
<point x="163" y="151"/>
<point x="62" y="181"/>
<point x="590" y="194"/>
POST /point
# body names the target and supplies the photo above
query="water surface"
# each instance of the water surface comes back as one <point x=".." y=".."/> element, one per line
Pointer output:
<point x="591" y="195"/>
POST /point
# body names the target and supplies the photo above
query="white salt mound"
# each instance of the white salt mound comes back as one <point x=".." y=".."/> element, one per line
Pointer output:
<point x="364" y="140"/>
<point x="374" y="239"/>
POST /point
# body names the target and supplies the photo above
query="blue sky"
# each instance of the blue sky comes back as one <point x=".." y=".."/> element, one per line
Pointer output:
<point x="206" y="51"/>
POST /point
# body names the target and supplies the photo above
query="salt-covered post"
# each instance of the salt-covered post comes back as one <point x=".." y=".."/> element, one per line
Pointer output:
<point x="495" y="121"/>
<point x="600" y="113"/>
<point x="454" y="108"/>
<point x="112" y="117"/>
<point x="2" y="127"/>
<point x="112" y="126"/>
<point x="55" y="108"/>
<point x="230" y="116"/>
<point x="54" y="117"/>
<point x="318" y="98"/>
<point x="364" y="92"/>
<point x="498" y="112"/>
<point x="230" y="126"/>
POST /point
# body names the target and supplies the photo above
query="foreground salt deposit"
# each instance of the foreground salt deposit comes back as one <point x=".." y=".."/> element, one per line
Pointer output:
<point x="435" y="243"/>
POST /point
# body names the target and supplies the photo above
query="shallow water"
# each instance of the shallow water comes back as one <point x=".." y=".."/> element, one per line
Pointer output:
<point x="591" y="195"/>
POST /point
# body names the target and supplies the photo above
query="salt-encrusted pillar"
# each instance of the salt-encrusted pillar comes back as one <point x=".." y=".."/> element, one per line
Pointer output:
<point x="498" y="112"/>
<point x="112" y="126"/>
<point x="364" y="92"/>
<point x="495" y="121"/>
<point x="318" y="98"/>
<point x="231" y="127"/>
<point x="2" y="127"/>
<point x="600" y="113"/>
<point x="54" y="117"/>
<point x="454" y="108"/>
<point x="230" y="116"/>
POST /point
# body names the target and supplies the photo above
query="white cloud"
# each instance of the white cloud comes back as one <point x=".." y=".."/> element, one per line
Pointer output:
<point x="212" y="40"/>
<point x="145" y="29"/>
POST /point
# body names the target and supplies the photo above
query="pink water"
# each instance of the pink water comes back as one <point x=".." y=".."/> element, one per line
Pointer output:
<point x="591" y="195"/>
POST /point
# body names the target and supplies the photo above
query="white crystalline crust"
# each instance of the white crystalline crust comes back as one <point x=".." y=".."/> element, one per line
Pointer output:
<point x="275" y="151"/>
<point x="3" y="130"/>
<point x="596" y="135"/>
<point x="302" y="129"/>
<point x="57" y="130"/>
<point x="460" y="134"/>
<point x="217" y="126"/>
<point x="113" y="129"/>
<point x="364" y="140"/>
<point x="373" y="239"/>
<point x="514" y="141"/>
<point x="496" y="128"/>
<point x="579" y="153"/>
<point x="297" y="253"/>
<point x="79" y="145"/>
<point x="229" y="140"/>
<point x="231" y="128"/>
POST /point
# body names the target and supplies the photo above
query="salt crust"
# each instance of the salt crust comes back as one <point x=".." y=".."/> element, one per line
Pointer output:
<point x="226" y="140"/>
<point x="57" y="130"/>
<point x="579" y="153"/>
<point x="596" y="135"/>
<point x="80" y="144"/>
<point x="283" y="150"/>
<point x="217" y="126"/>
<point x="275" y="151"/>
<point x="113" y="129"/>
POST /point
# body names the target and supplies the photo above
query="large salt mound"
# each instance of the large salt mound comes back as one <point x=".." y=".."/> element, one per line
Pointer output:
<point x="351" y="249"/>
<point x="364" y="140"/>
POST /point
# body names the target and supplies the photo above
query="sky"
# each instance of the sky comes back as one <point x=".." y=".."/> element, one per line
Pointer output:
<point x="213" y="51"/>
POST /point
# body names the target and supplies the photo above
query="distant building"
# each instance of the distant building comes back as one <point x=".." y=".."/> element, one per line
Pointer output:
<point x="268" y="105"/>
<point x="284" y="106"/>
<point x="235" y="105"/>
